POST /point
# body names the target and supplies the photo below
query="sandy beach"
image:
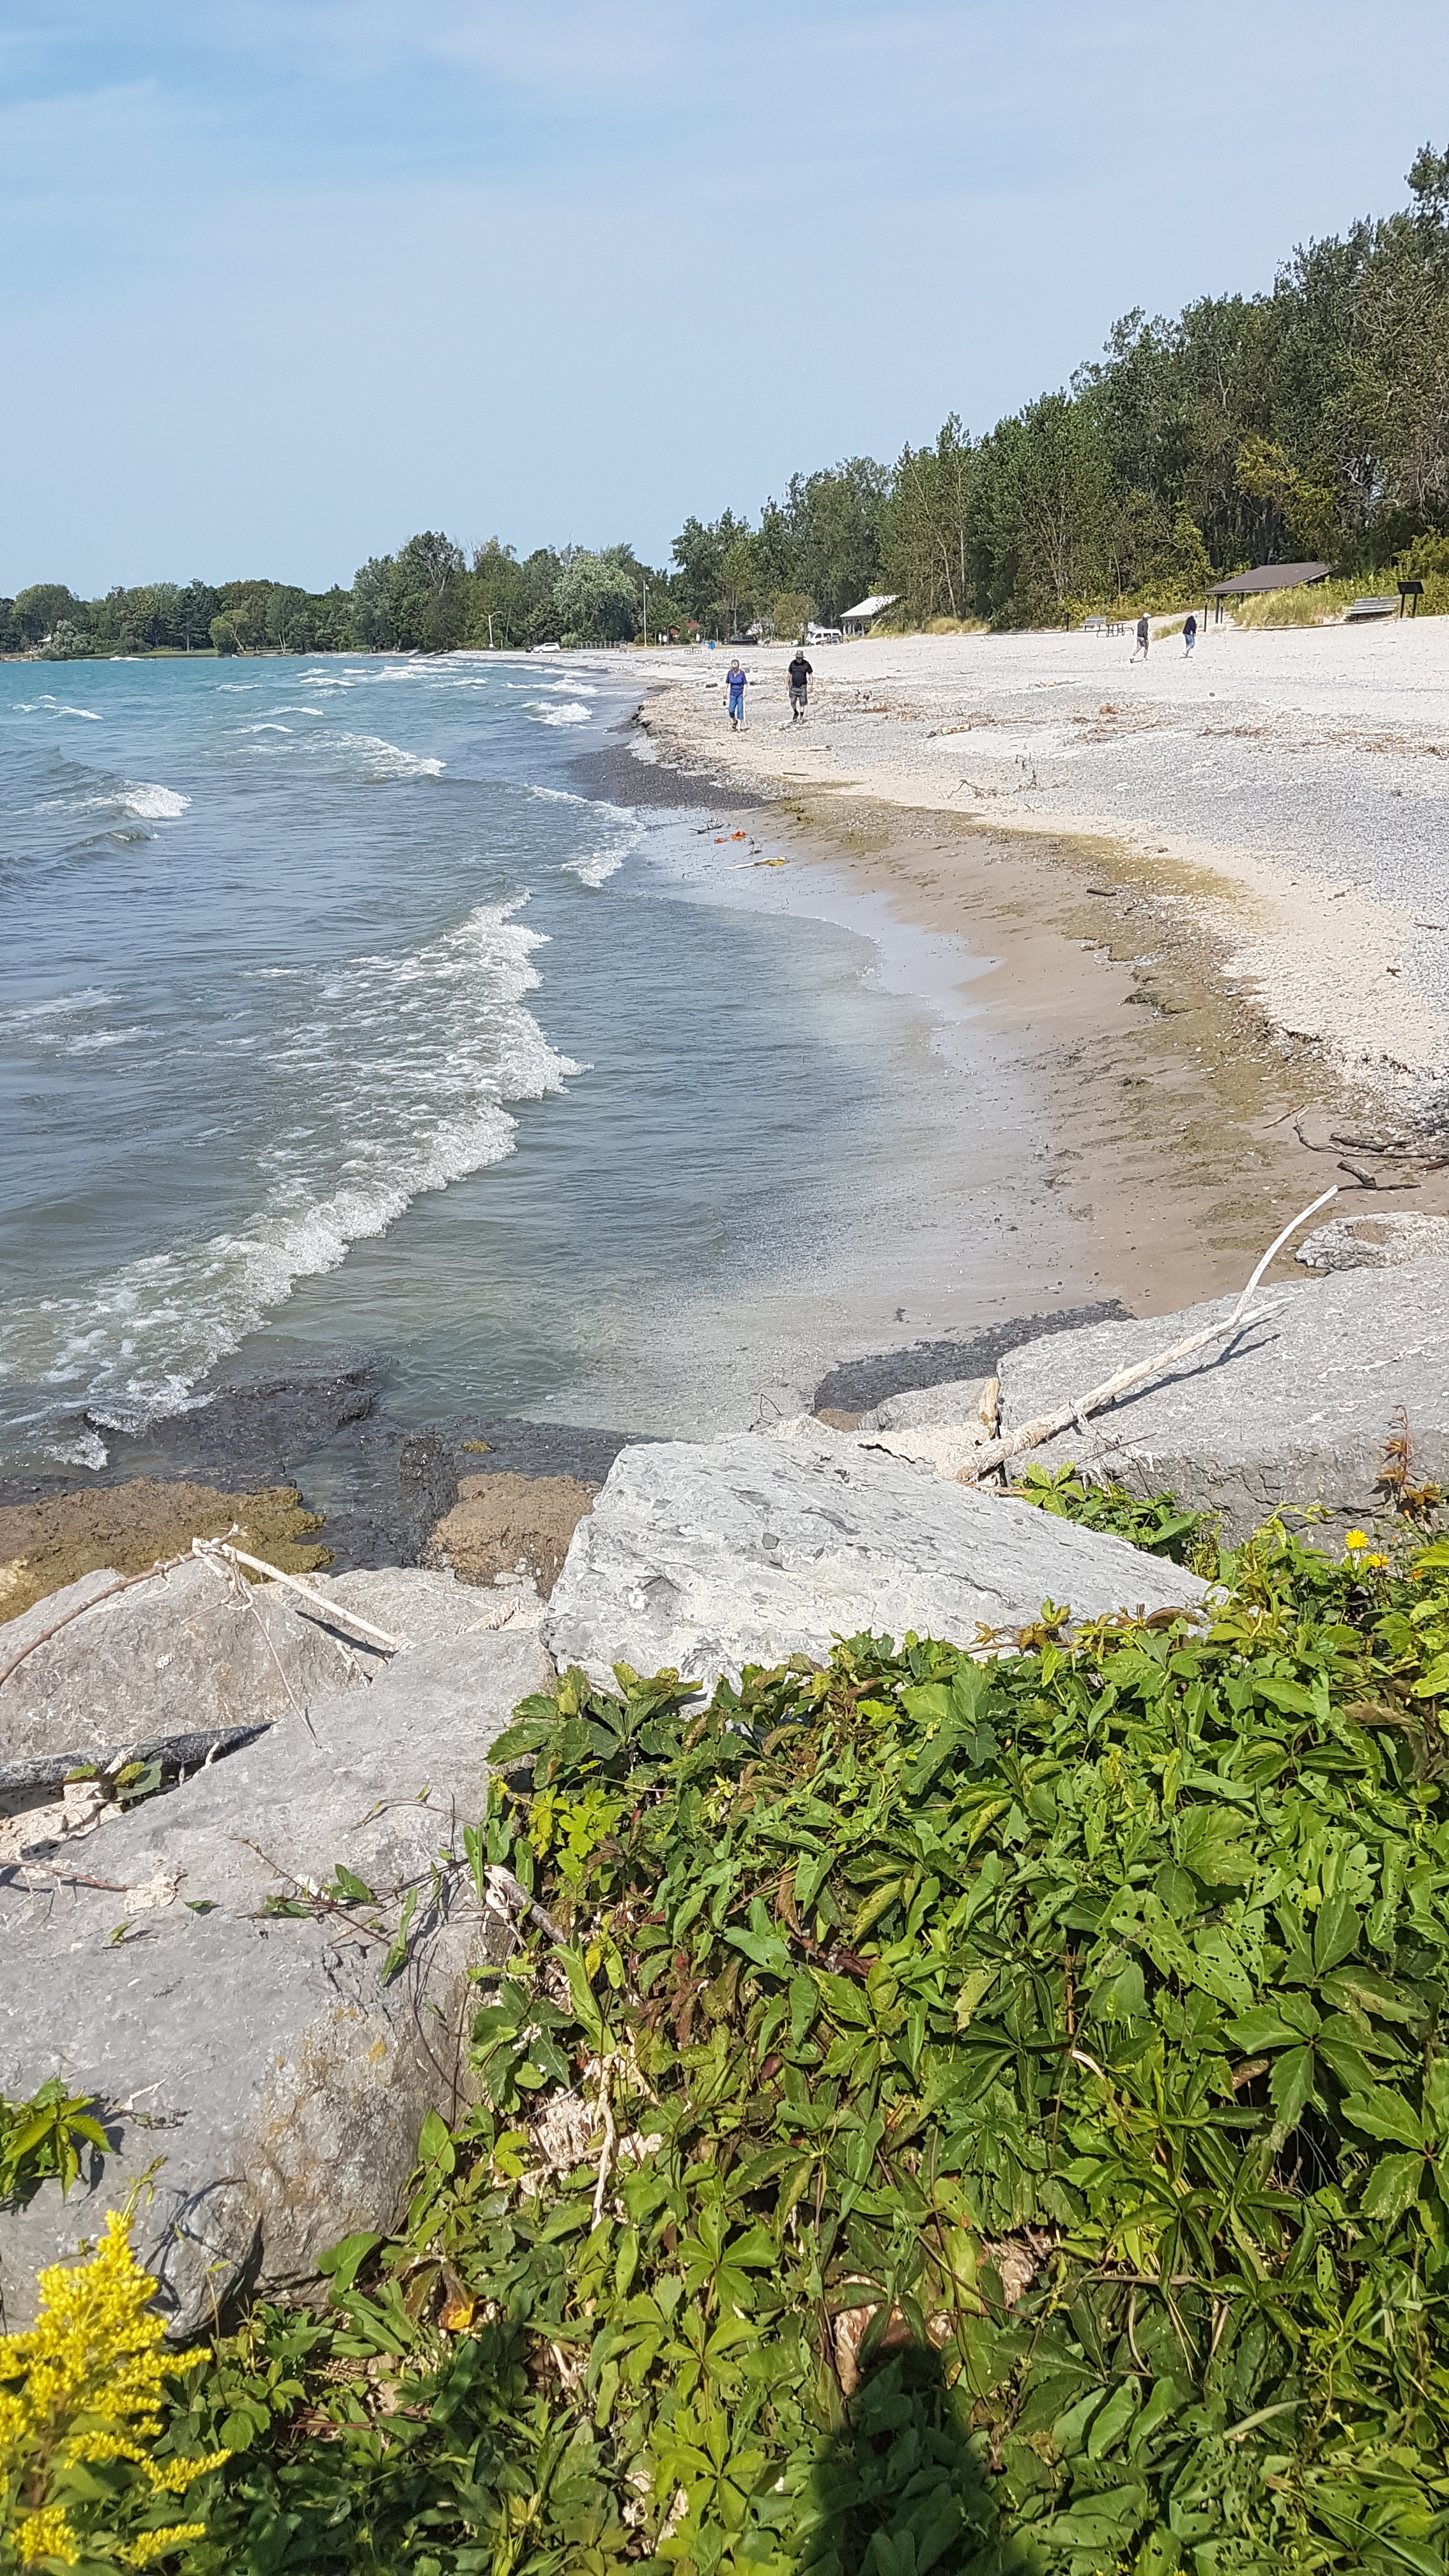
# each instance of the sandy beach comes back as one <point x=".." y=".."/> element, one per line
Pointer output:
<point x="1247" y="846"/>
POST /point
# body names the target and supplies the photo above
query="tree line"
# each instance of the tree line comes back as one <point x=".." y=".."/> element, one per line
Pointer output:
<point x="1310" y="421"/>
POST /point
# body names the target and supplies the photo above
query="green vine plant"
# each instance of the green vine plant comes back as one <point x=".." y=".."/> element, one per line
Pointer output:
<point x="43" y="2138"/>
<point x="967" y="2114"/>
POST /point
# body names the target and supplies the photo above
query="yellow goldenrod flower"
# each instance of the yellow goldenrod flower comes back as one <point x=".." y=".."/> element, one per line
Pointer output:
<point x="47" y="2534"/>
<point x="155" y="2544"/>
<point x="1356" y="1538"/>
<point x="85" y="2385"/>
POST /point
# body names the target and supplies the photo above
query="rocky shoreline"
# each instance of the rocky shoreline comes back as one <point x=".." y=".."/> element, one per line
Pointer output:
<point x="253" y="1932"/>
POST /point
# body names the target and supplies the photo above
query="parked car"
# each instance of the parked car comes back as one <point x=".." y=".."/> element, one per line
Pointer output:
<point x="824" y="635"/>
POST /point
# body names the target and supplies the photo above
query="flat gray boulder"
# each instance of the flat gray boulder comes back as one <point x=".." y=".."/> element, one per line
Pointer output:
<point x="1293" y="1411"/>
<point x="263" y="2063"/>
<point x="195" y="1652"/>
<point x="708" y="1556"/>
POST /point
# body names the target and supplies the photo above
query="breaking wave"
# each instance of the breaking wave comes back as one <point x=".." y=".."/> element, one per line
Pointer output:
<point x="406" y="1065"/>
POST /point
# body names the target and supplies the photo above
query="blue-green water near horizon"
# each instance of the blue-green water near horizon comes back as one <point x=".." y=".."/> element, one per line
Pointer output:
<point x="330" y="1007"/>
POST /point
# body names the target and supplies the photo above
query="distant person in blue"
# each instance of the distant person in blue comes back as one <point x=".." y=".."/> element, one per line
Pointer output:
<point x="1189" y="634"/>
<point x="735" y="684"/>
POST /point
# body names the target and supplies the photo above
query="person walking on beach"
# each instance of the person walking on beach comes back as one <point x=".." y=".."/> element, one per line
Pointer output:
<point x="735" y="684"/>
<point x="799" y="678"/>
<point x="1143" y="632"/>
<point x="1189" y="634"/>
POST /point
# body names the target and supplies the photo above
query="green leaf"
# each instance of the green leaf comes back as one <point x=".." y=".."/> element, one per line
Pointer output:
<point x="342" y="2263"/>
<point x="398" y="1950"/>
<point x="1384" y="2114"/>
<point x="1108" y="2427"/>
<point x="1291" y="2085"/>
<point x="1392" y="2187"/>
<point x="1336" y="1932"/>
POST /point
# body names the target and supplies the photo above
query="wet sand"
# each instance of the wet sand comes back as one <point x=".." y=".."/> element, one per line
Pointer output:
<point x="1184" y="1031"/>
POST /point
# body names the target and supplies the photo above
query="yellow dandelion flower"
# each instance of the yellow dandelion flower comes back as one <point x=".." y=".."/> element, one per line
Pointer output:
<point x="1356" y="1538"/>
<point x="1376" y="1563"/>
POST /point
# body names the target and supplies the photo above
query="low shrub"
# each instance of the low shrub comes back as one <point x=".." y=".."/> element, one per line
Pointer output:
<point x="81" y="2400"/>
<point x="976" y="2114"/>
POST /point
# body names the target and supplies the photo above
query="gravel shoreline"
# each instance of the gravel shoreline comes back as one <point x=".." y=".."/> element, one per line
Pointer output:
<point x="1289" y="787"/>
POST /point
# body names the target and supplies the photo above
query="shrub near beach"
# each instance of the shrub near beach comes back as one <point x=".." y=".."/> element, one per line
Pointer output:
<point x="972" y="2115"/>
<point x="81" y="2400"/>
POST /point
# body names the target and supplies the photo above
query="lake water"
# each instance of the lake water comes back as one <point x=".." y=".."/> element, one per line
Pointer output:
<point x="329" y="1007"/>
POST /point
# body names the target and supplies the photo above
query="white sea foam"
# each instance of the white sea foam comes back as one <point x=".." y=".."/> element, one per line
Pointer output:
<point x="567" y="714"/>
<point x="151" y="804"/>
<point x="88" y="1450"/>
<point x="383" y="760"/>
<point x="405" y="1066"/>
<point x="623" y="833"/>
<point x="91" y="997"/>
<point x="266" y="727"/>
<point x="56" y="707"/>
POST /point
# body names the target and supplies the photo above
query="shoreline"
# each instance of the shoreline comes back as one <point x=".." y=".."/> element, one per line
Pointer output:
<point x="1134" y="1124"/>
<point x="1183" y="1137"/>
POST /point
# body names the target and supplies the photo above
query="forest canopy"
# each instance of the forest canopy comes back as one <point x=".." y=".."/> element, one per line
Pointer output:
<point x="1310" y="421"/>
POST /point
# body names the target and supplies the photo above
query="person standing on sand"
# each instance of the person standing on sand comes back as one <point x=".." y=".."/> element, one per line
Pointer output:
<point x="798" y="679"/>
<point x="735" y="685"/>
<point x="1143" y="632"/>
<point x="1189" y="634"/>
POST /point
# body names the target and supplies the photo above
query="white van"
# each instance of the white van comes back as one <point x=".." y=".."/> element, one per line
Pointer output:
<point x="824" y="635"/>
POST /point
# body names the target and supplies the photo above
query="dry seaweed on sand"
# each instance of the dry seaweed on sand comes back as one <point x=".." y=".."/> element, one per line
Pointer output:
<point x="978" y="2116"/>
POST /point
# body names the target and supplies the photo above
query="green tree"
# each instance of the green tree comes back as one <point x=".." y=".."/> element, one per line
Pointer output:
<point x="224" y="635"/>
<point x="597" y="597"/>
<point x="41" y="607"/>
<point x="428" y="594"/>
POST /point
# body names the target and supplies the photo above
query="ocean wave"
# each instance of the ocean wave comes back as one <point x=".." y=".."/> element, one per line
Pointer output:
<point x="385" y="760"/>
<point x="91" y="997"/>
<point x="567" y="714"/>
<point x="406" y="1065"/>
<point x="141" y="799"/>
<point x="56" y="707"/>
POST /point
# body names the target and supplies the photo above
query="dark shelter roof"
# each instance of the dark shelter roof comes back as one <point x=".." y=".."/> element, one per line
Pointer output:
<point x="1271" y="577"/>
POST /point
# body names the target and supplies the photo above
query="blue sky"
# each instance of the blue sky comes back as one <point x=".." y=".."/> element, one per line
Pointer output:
<point x="288" y="279"/>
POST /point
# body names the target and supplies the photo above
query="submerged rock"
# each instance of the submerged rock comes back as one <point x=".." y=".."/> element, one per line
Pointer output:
<point x="50" y="1542"/>
<point x="711" y="1555"/>
<point x="503" y="1524"/>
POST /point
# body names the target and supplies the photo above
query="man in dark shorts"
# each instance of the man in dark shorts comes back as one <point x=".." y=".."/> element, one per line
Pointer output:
<point x="799" y="677"/>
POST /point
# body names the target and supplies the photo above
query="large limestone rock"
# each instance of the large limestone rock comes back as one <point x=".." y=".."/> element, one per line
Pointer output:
<point x="193" y="1652"/>
<point x="262" y="2063"/>
<point x="1376" y="1242"/>
<point x="1295" y="1410"/>
<point x="713" y="1555"/>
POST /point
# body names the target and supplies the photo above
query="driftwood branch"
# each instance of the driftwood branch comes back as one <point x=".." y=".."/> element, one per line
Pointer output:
<point x="336" y="1611"/>
<point x="209" y="1549"/>
<point x="1032" y="1434"/>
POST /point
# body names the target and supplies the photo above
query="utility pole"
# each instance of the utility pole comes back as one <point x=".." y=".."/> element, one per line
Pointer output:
<point x="489" y="614"/>
<point x="646" y="607"/>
